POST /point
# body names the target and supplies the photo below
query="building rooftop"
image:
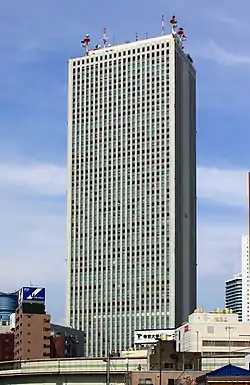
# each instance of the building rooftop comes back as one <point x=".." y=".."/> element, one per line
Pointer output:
<point x="229" y="371"/>
<point x="176" y="33"/>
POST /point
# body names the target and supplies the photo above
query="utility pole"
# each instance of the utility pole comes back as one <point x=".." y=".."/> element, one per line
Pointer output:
<point x="108" y="369"/>
<point x="160" y="358"/>
<point x="229" y="328"/>
<point x="127" y="372"/>
<point x="107" y="360"/>
<point x="197" y="341"/>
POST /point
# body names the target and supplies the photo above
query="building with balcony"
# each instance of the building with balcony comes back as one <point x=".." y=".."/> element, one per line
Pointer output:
<point x="233" y="295"/>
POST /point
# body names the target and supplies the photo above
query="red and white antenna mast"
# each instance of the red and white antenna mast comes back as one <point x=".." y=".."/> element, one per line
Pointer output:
<point x="105" y="37"/>
<point x="173" y="23"/>
<point x="162" y="25"/>
<point x="177" y="33"/>
<point x="85" y="43"/>
<point x="182" y="36"/>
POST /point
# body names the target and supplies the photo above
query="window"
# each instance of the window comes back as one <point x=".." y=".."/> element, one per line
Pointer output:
<point x="145" y="381"/>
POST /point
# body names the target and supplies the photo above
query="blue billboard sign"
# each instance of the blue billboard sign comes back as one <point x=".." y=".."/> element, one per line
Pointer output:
<point x="32" y="294"/>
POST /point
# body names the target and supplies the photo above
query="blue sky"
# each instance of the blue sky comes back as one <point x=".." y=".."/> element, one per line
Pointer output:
<point x="37" y="40"/>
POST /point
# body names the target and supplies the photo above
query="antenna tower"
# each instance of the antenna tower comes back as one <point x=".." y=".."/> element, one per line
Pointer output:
<point x="162" y="25"/>
<point x="179" y="33"/>
<point x="105" y="37"/>
<point x="85" y="43"/>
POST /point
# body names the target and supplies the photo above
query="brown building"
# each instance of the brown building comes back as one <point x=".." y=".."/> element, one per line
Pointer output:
<point x="6" y="347"/>
<point x="57" y="347"/>
<point x="164" y="356"/>
<point x="32" y="333"/>
<point x="164" y="378"/>
<point x="66" y="342"/>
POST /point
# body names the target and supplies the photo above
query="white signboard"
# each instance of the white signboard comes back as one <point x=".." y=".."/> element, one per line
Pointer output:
<point x="145" y="337"/>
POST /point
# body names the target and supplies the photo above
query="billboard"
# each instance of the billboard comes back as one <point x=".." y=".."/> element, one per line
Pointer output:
<point x="152" y="335"/>
<point x="31" y="294"/>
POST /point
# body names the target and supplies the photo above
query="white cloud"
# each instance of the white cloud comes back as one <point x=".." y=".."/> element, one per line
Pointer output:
<point x="45" y="179"/>
<point x="214" y="52"/>
<point x="220" y="231"/>
<point x="227" y="187"/>
<point x="224" y="186"/>
<point x="32" y="244"/>
<point x="219" y="245"/>
<point x="33" y="226"/>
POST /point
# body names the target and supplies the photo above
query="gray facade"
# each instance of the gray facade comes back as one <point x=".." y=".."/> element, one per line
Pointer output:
<point x="75" y="337"/>
<point x="131" y="199"/>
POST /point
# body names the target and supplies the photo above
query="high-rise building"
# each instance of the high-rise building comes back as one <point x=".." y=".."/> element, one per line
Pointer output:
<point x="233" y="295"/>
<point x="131" y="197"/>
<point x="245" y="280"/>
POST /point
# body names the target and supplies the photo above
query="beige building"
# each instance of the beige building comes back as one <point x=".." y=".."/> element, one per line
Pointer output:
<point x="218" y="335"/>
<point x="32" y="335"/>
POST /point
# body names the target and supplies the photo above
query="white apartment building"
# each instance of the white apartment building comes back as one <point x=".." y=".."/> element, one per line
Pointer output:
<point x="233" y="295"/>
<point x="245" y="280"/>
<point x="218" y="335"/>
<point x="131" y="197"/>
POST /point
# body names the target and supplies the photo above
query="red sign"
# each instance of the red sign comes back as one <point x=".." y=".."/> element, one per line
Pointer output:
<point x="185" y="328"/>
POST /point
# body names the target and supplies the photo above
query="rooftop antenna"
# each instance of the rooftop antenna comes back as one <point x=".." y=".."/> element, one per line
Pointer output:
<point x="162" y="25"/>
<point x="182" y="36"/>
<point x="179" y="33"/>
<point x="146" y="35"/>
<point x="173" y="23"/>
<point x="85" y="43"/>
<point x="105" y="37"/>
<point x="136" y="36"/>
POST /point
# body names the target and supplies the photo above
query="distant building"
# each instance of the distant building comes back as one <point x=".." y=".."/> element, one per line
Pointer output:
<point x="218" y="336"/>
<point x="8" y="305"/>
<point x="245" y="280"/>
<point x="66" y="342"/>
<point x="165" y="356"/>
<point x="6" y="343"/>
<point x="7" y="346"/>
<point x="233" y="295"/>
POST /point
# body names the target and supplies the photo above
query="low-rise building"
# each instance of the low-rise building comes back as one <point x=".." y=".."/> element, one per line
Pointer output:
<point x="32" y="332"/>
<point x="218" y="336"/>
<point x="6" y="346"/>
<point x="66" y="342"/>
<point x="165" y="357"/>
<point x="79" y="371"/>
<point x="168" y="377"/>
<point x="6" y="343"/>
